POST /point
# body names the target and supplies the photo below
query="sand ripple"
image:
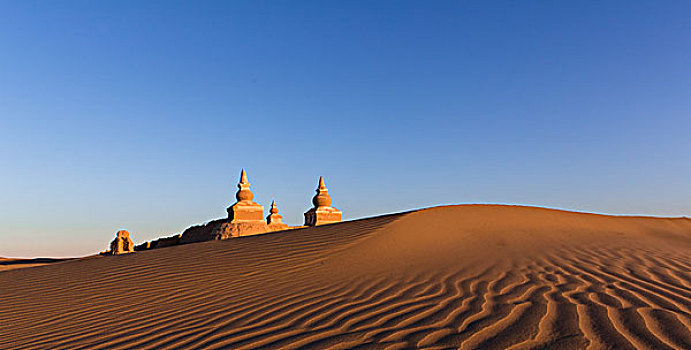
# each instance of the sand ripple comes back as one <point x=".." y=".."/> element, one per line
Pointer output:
<point x="350" y="286"/>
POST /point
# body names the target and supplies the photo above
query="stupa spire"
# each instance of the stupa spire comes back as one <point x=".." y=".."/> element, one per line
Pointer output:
<point x="243" y="177"/>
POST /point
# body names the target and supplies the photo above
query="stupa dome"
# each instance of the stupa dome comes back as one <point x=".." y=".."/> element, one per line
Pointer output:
<point x="244" y="195"/>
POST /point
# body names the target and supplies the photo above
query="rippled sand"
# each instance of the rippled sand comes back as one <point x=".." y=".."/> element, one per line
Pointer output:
<point x="468" y="277"/>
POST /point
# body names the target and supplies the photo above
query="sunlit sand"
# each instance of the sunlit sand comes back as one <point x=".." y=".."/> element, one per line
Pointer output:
<point x="469" y="277"/>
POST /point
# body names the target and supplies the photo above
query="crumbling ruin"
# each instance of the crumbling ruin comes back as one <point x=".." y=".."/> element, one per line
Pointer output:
<point x="121" y="244"/>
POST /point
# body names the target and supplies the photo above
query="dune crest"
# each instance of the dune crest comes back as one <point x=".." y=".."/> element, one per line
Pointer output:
<point x="467" y="277"/>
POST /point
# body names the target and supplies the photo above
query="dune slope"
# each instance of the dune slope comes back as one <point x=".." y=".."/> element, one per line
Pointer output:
<point x="468" y="277"/>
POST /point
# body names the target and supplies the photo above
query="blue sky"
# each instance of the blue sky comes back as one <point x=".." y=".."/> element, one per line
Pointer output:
<point x="139" y="115"/>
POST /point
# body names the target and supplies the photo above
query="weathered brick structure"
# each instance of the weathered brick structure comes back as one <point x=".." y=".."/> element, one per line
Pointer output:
<point x="121" y="244"/>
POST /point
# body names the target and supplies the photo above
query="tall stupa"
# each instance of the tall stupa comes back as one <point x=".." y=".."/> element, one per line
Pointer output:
<point x="322" y="212"/>
<point x="245" y="210"/>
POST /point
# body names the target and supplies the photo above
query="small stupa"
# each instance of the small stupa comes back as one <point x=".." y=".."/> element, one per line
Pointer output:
<point x="322" y="212"/>
<point x="274" y="220"/>
<point x="245" y="210"/>
<point x="122" y="243"/>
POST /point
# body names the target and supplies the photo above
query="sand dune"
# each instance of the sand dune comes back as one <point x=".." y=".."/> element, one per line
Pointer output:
<point x="468" y="277"/>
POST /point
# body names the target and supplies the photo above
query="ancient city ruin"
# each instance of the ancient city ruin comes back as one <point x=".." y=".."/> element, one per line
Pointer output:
<point x="246" y="218"/>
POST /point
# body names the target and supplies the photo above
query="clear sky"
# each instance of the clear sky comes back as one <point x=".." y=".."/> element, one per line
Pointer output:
<point x="139" y="115"/>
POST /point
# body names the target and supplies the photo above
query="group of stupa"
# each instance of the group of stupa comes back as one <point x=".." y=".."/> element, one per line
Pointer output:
<point x="245" y="218"/>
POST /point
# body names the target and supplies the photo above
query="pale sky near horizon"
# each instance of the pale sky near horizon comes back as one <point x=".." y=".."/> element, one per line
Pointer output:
<point x="139" y="115"/>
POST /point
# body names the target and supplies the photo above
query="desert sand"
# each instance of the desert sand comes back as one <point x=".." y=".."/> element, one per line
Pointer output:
<point x="468" y="277"/>
<point x="11" y="264"/>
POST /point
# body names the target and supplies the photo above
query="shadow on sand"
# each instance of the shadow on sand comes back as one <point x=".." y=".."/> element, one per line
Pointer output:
<point x="29" y="261"/>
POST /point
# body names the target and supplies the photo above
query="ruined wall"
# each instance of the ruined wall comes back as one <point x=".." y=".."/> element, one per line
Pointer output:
<point x="201" y="233"/>
<point x="213" y="230"/>
<point x="159" y="243"/>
